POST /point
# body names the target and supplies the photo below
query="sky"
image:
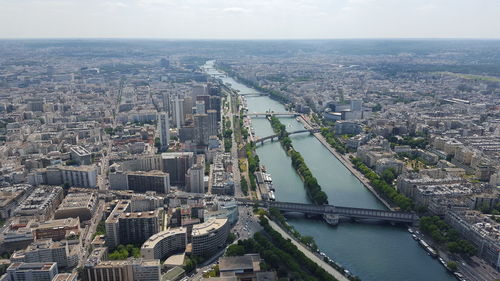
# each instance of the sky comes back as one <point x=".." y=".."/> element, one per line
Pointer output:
<point x="249" y="19"/>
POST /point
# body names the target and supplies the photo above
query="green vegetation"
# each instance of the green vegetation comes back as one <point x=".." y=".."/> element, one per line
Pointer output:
<point x="471" y="76"/>
<point x="275" y="95"/>
<point x="311" y="184"/>
<point x="227" y="135"/>
<point x="417" y="142"/>
<point x="100" y="229"/>
<point x="381" y="185"/>
<point x="276" y="216"/>
<point x="282" y="255"/>
<point x="332" y="140"/>
<point x="253" y="164"/>
<point x="494" y="210"/>
<point x="244" y="186"/>
<point x="452" y="266"/>
<point x="214" y="272"/>
<point x="123" y="252"/>
<point x="442" y="233"/>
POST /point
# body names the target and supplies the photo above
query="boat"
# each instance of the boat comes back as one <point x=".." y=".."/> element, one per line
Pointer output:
<point x="428" y="248"/>
<point x="415" y="237"/>
<point x="410" y="230"/>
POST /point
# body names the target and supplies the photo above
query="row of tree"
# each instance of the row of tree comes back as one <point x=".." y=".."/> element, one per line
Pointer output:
<point x="311" y="184"/>
<point x="280" y="254"/>
<point x="332" y="140"/>
<point x="445" y="235"/>
<point x="381" y="185"/>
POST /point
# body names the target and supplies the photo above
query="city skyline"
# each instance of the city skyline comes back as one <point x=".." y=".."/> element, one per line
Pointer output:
<point x="236" y="19"/>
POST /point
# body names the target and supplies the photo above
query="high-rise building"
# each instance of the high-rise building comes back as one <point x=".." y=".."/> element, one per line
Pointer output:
<point x="195" y="176"/>
<point x="126" y="227"/>
<point x="148" y="181"/>
<point x="215" y="104"/>
<point x="178" y="113"/>
<point x="164" y="127"/>
<point x="209" y="237"/>
<point x="164" y="244"/>
<point x="201" y="127"/>
<point x="166" y="102"/>
<point x="212" y="122"/>
<point x="176" y="165"/>
<point x="200" y="107"/>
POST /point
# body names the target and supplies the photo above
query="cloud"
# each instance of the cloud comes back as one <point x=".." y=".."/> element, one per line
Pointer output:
<point x="235" y="10"/>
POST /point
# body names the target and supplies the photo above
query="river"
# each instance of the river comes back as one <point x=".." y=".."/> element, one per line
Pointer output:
<point x="374" y="252"/>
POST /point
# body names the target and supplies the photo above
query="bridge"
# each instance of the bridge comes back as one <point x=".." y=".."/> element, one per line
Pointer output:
<point x="269" y="114"/>
<point x="333" y="213"/>
<point x="254" y="94"/>
<point x="261" y="140"/>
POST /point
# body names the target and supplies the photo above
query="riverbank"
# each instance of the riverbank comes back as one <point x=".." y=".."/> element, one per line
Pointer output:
<point x="312" y="256"/>
<point x="347" y="163"/>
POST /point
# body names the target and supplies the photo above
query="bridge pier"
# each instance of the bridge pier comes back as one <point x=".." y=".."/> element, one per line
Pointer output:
<point x="331" y="219"/>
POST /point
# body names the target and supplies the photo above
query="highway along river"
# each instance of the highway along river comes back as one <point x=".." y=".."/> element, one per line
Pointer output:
<point x="374" y="252"/>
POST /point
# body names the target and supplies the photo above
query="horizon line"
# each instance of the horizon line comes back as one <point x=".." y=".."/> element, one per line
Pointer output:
<point x="246" y="39"/>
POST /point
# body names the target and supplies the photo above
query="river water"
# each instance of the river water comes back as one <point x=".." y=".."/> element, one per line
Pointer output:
<point x="374" y="252"/>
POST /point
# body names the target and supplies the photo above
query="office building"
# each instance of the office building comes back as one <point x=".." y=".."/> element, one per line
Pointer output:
<point x="164" y="130"/>
<point x="200" y="107"/>
<point x="11" y="197"/>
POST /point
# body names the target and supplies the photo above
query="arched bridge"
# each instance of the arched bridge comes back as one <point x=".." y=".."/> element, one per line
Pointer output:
<point x="269" y="114"/>
<point x="261" y="140"/>
<point x="330" y="210"/>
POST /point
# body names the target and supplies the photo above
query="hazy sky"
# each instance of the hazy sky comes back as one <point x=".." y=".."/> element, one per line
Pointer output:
<point x="241" y="19"/>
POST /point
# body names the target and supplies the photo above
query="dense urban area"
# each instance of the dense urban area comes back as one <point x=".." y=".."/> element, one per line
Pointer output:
<point x="128" y="160"/>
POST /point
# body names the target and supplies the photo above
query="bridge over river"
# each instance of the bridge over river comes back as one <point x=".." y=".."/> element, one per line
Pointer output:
<point x="275" y="136"/>
<point x="332" y="213"/>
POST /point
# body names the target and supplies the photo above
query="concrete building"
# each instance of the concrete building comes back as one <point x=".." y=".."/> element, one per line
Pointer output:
<point x="11" y="197"/>
<point x="126" y="227"/>
<point x="179" y="117"/>
<point x="81" y="155"/>
<point x="32" y="271"/>
<point x="209" y="237"/>
<point x="123" y="270"/>
<point x="200" y="107"/>
<point x="157" y="181"/>
<point x="164" y="244"/>
<point x="80" y="176"/>
<point x="164" y="130"/>
<point x="56" y="229"/>
<point x="64" y="253"/>
<point x="213" y="128"/>
<point x="74" y="176"/>
<point x="41" y="203"/>
<point x="176" y="164"/>
<point x="201" y="129"/>
<point x="81" y="205"/>
<point x="195" y="177"/>
<point x="245" y="267"/>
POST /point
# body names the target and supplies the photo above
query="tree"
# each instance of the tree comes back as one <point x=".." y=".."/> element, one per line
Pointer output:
<point x="452" y="266"/>
<point x="235" y="250"/>
<point x="388" y="175"/>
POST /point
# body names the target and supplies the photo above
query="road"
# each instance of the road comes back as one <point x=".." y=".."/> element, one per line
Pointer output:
<point x="234" y="150"/>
